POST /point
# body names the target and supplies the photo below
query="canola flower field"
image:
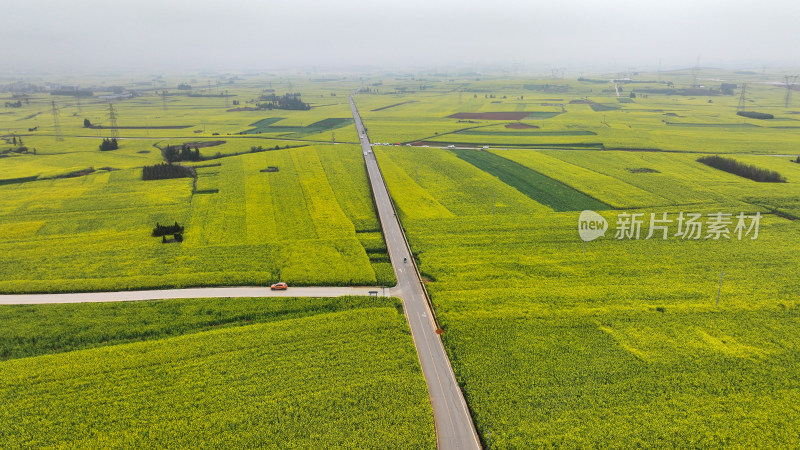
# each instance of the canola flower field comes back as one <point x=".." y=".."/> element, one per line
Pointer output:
<point x="630" y="339"/>
<point x="625" y="342"/>
<point x="211" y="373"/>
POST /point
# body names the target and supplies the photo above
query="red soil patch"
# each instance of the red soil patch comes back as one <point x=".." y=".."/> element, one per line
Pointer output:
<point x="520" y="126"/>
<point x="491" y="115"/>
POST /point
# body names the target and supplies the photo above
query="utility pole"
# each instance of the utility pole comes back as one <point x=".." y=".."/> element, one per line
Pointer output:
<point x="719" y="289"/>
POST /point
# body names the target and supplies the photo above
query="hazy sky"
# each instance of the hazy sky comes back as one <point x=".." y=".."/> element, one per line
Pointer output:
<point x="234" y="35"/>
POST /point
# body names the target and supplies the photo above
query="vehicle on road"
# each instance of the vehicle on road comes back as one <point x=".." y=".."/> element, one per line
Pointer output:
<point x="485" y="147"/>
<point x="376" y="143"/>
<point x="451" y="146"/>
<point x="279" y="286"/>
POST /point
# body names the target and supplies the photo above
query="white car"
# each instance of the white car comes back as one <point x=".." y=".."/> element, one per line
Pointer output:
<point x="451" y="146"/>
<point x="485" y="147"/>
<point x="376" y="143"/>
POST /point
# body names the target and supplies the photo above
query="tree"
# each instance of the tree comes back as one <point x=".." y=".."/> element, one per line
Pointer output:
<point x="87" y="123"/>
<point x="109" y="144"/>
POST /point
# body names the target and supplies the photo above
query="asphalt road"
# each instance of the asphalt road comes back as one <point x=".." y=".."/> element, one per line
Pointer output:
<point x="131" y="296"/>
<point x="454" y="427"/>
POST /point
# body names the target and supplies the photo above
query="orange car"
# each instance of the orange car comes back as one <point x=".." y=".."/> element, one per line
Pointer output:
<point x="279" y="286"/>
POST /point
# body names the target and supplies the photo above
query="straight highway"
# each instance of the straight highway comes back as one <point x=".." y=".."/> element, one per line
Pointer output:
<point x="454" y="427"/>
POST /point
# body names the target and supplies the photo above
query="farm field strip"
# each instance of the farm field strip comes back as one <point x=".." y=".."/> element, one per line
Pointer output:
<point x="246" y="227"/>
<point x="191" y="389"/>
<point x="538" y="187"/>
<point x="608" y="189"/>
<point x="459" y="186"/>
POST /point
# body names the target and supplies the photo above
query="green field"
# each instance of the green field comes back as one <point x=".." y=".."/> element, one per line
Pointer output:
<point x="557" y="347"/>
<point x="306" y="224"/>
<point x="32" y="330"/>
<point x="623" y="345"/>
<point x="316" y="373"/>
<point x="644" y="342"/>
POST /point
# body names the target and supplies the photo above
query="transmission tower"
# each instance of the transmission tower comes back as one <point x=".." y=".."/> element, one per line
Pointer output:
<point x="790" y="81"/>
<point x="56" y="124"/>
<point x="112" y="117"/>
<point x="78" y="101"/>
<point x="164" y="100"/>
<point x="740" y="107"/>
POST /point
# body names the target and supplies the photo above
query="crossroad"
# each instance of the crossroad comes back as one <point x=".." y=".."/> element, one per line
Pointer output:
<point x="454" y="427"/>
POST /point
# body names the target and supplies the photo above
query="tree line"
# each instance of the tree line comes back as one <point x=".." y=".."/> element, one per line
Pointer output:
<point x="288" y="101"/>
<point x="174" y="153"/>
<point x="166" y="171"/>
<point x="755" y="115"/>
<point x="735" y="167"/>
